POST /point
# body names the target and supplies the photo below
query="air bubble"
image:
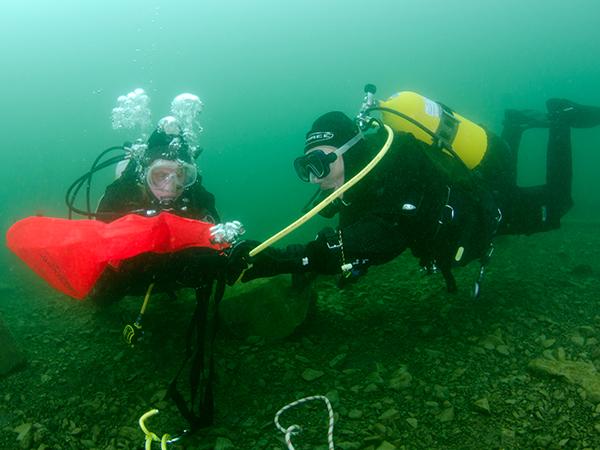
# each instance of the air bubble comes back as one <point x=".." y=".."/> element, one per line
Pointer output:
<point x="186" y="108"/>
<point x="132" y="112"/>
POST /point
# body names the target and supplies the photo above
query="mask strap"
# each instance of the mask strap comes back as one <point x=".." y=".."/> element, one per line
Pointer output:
<point x="344" y="148"/>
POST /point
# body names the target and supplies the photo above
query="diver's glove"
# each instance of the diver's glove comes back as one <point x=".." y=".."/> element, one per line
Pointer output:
<point x="226" y="233"/>
<point x="270" y="262"/>
<point x="238" y="260"/>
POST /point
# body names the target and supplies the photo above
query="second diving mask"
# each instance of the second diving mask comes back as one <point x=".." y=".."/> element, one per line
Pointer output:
<point x="317" y="162"/>
<point x="167" y="178"/>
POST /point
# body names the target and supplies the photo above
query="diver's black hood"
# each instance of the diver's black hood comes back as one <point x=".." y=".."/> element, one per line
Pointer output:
<point x="167" y="146"/>
<point x="333" y="128"/>
<point x="160" y="145"/>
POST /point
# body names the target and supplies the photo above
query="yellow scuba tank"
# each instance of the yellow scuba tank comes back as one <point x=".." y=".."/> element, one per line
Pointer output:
<point x="467" y="139"/>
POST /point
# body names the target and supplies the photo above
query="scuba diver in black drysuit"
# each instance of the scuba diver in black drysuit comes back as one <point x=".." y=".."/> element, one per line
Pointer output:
<point x="138" y="191"/>
<point x="162" y="176"/>
<point x="421" y="196"/>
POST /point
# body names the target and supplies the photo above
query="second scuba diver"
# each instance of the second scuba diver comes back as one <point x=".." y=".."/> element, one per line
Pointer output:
<point x="163" y="178"/>
<point x="155" y="177"/>
<point x="445" y="188"/>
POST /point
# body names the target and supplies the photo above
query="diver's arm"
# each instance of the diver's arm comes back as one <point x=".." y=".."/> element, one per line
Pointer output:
<point x="204" y="205"/>
<point x="120" y="198"/>
<point x="107" y="206"/>
<point x="370" y="241"/>
<point x="354" y="248"/>
<point x="373" y="240"/>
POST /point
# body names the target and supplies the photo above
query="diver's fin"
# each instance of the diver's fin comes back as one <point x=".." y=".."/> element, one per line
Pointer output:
<point x="566" y="112"/>
<point x="525" y="119"/>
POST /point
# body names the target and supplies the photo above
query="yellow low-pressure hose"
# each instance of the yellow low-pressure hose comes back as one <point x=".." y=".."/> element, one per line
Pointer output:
<point x="338" y="192"/>
<point x="150" y="436"/>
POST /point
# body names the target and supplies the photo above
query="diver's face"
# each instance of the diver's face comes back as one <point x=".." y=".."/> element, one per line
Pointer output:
<point x="169" y="189"/>
<point x="167" y="179"/>
<point x="335" y="178"/>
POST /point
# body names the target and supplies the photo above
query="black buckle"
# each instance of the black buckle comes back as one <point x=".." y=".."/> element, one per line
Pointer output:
<point x="447" y="129"/>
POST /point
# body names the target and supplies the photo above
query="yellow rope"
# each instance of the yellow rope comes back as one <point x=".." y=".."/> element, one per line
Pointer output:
<point x="146" y="298"/>
<point x="338" y="192"/>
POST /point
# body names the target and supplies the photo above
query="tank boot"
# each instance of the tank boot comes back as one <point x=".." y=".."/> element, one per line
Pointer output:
<point x="565" y="112"/>
<point x="525" y="119"/>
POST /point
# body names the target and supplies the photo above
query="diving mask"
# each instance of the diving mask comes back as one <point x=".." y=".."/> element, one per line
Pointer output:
<point x="318" y="163"/>
<point x="168" y="178"/>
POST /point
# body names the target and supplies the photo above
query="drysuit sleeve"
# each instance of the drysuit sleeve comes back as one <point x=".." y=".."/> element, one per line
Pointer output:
<point x="354" y="248"/>
<point x="168" y="271"/>
<point x="374" y="240"/>
<point x="203" y="205"/>
<point x="368" y="242"/>
<point x="119" y="199"/>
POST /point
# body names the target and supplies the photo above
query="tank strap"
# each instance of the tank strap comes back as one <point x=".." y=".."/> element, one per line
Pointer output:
<point x="447" y="128"/>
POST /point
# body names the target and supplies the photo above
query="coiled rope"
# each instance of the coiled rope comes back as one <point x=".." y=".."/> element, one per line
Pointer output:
<point x="295" y="429"/>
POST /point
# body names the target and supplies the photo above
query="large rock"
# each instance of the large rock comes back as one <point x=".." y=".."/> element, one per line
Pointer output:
<point x="11" y="357"/>
<point x="575" y="372"/>
<point x="269" y="308"/>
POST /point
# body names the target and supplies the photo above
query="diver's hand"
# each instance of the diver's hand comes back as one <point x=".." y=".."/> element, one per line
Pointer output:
<point x="226" y="233"/>
<point x="238" y="260"/>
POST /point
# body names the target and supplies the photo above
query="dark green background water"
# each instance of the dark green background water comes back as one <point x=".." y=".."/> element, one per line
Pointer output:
<point x="265" y="70"/>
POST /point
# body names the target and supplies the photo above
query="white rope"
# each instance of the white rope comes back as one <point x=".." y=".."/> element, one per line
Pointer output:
<point x="295" y="429"/>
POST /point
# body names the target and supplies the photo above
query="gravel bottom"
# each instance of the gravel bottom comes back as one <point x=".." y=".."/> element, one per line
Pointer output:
<point x="405" y="365"/>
